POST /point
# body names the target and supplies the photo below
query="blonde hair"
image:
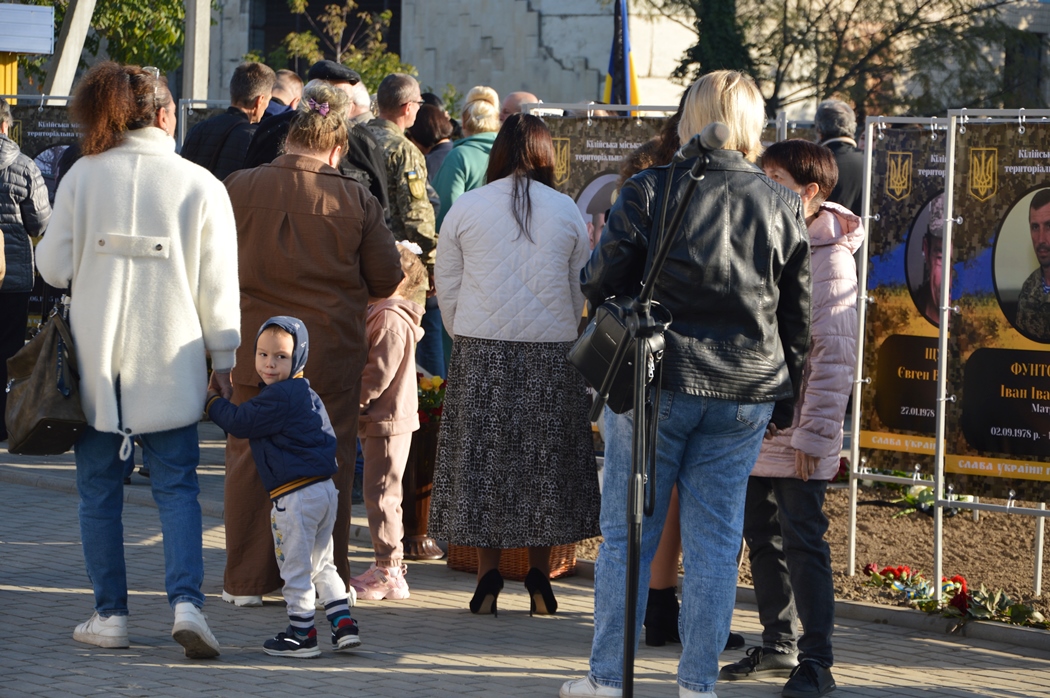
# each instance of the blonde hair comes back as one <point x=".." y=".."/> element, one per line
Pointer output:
<point x="731" y="98"/>
<point x="316" y="132"/>
<point x="481" y="111"/>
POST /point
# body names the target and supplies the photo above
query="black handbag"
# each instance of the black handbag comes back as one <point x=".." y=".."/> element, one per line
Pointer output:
<point x="44" y="416"/>
<point x="592" y="354"/>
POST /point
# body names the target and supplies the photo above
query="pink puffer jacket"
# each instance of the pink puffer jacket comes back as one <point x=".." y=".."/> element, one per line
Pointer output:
<point x="827" y="380"/>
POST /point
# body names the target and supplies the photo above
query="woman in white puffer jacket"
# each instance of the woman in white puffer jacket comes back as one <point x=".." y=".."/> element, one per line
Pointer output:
<point x="784" y="522"/>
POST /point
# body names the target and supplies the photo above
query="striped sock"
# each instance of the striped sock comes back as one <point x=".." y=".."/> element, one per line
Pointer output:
<point x="337" y="611"/>
<point x="301" y="625"/>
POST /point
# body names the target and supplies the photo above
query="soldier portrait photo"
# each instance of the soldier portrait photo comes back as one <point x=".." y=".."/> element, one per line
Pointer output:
<point x="924" y="259"/>
<point x="1022" y="266"/>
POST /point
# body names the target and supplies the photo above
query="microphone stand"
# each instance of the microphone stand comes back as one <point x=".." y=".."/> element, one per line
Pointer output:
<point x="647" y="333"/>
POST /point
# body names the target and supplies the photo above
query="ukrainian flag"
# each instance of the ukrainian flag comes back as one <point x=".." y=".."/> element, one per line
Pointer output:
<point x="621" y="84"/>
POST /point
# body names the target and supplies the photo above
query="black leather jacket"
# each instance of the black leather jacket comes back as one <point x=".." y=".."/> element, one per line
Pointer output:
<point x="736" y="282"/>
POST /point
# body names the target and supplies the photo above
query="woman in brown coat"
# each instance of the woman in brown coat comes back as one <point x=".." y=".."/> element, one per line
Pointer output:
<point x="312" y="244"/>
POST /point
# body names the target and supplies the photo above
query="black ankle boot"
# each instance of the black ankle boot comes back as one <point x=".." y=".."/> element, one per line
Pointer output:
<point x="661" y="617"/>
<point x="486" y="593"/>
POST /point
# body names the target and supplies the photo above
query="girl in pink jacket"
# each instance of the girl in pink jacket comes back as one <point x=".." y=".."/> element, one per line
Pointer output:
<point x="389" y="415"/>
<point x="784" y="522"/>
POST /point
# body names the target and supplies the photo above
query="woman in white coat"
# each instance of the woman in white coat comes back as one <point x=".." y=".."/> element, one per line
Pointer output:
<point x="147" y="242"/>
<point x="515" y="465"/>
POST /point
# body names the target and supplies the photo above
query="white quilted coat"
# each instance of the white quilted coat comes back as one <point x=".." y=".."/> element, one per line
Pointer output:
<point x="149" y="241"/>
<point x="493" y="283"/>
<point x="827" y="379"/>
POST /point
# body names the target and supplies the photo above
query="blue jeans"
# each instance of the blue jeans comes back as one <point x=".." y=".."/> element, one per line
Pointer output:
<point x="784" y="526"/>
<point x="430" y="353"/>
<point x="708" y="447"/>
<point x="173" y="457"/>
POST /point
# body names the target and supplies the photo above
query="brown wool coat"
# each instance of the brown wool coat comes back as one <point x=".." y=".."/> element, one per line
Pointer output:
<point x="312" y="244"/>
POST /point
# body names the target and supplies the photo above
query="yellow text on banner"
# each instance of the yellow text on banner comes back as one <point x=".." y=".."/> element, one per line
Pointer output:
<point x="997" y="467"/>
<point x="886" y="441"/>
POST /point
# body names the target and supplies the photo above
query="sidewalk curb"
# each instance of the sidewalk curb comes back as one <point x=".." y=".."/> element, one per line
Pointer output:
<point x="844" y="610"/>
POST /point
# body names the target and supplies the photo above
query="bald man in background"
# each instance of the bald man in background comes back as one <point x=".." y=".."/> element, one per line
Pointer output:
<point x="512" y="103"/>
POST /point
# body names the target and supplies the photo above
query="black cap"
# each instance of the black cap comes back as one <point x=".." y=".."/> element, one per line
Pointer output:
<point x="332" y="72"/>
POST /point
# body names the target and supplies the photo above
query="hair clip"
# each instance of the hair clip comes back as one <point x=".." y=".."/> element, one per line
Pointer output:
<point x="321" y="108"/>
<point x="410" y="246"/>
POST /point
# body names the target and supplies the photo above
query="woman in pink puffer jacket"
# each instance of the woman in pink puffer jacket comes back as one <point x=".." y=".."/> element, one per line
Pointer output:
<point x="784" y="522"/>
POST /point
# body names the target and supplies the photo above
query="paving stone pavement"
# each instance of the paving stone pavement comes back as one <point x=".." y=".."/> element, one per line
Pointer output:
<point x="428" y="645"/>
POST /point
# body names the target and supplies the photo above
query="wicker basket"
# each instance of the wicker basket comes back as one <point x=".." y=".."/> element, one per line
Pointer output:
<point x="514" y="562"/>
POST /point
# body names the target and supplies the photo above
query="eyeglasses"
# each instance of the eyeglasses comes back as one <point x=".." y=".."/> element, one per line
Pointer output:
<point x="155" y="72"/>
<point x="417" y="102"/>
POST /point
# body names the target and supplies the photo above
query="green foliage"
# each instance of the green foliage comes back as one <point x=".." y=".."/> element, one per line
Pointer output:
<point x="129" y="31"/>
<point x="720" y="44"/>
<point x="353" y="38"/>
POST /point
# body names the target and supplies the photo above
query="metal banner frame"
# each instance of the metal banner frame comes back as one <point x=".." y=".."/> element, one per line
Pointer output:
<point x="955" y="123"/>
<point x="857" y="470"/>
<point x="184" y="109"/>
<point x="958" y="120"/>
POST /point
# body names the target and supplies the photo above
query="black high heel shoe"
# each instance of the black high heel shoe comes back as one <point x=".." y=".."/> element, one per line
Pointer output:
<point x="541" y="595"/>
<point x="484" y="600"/>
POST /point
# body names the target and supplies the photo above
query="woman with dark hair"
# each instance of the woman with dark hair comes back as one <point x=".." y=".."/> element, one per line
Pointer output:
<point x="313" y="245"/>
<point x="515" y="465"/>
<point x="431" y="133"/>
<point x="147" y="241"/>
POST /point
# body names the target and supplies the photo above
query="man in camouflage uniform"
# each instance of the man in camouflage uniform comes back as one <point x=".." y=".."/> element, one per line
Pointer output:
<point x="1033" y="305"/>
<point x="411" y="215"/>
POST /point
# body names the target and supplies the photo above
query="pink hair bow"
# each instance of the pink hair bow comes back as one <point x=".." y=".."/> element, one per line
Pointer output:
<point x="321" y="108"/>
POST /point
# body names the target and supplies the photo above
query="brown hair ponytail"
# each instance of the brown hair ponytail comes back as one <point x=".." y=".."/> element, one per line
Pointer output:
<point x="112" y="99"/>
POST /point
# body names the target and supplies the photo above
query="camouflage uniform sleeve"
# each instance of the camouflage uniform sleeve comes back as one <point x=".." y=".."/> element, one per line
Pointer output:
<point x="413" y="212"/>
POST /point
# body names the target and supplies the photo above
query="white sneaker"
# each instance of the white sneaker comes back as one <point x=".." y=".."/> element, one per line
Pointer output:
<point x="109" y="632"/>
<point x="587" y="687"/>
<point x="684" y="692"/>
<point x="191" y="631"/>
<point x="241" y="600"/>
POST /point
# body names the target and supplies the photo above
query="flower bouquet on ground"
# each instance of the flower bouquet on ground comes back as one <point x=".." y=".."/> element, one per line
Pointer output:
<point x="957" y="601"/>
<point x="418" y="481"/>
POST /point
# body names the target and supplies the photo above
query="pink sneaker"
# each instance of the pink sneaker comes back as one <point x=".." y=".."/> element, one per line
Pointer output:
<point x="381" y="583"/>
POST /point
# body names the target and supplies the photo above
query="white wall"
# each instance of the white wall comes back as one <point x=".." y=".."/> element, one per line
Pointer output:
<point x="229" y="43"/>
<point x="557" y="49"/>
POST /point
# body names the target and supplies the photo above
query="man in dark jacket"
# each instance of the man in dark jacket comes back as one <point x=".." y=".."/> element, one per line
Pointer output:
<point x="836" y="125"/>
<point x="220" y="143"/>
<point x="364" y="160"/>
<point x="24" y="212"/>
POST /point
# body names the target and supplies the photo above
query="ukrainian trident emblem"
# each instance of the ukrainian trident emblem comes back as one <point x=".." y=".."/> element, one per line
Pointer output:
<point x="984" y="173"/>
<point x="561" y="161"/>
<point x="898" y="175"/>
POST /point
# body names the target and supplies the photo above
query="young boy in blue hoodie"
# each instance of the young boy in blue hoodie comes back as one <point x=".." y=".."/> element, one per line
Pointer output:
<point x="293" y="445"/>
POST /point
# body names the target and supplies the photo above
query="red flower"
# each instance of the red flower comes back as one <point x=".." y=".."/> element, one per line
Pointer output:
<point x="961" y="600"/>
<point x="889" y="572"/>
<point x="961" y="581"/>
<point x="871" y="568"/>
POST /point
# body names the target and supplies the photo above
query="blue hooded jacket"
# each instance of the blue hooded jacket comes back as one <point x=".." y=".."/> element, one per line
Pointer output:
<point x="286" y="424"/>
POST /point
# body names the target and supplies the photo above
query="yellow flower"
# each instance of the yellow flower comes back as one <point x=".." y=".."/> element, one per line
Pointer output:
<point x="437" y="382"/>
<point x="425" y="383"/>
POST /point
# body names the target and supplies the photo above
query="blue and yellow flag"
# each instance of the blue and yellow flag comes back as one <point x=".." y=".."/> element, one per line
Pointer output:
<point x="621" y="84"/>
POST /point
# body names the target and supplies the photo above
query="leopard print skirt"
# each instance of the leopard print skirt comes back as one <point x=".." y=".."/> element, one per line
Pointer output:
<point x="515" y="464"/>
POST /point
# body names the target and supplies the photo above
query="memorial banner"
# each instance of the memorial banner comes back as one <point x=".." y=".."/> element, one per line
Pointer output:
<point x="905" y="238"/>
<point x="588" y="154"/>
<point x="43" y="133"/>
<point x="998" y="364"/>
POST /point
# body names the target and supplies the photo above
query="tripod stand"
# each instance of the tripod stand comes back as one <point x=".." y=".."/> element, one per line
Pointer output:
<point x="646" y="333"/>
